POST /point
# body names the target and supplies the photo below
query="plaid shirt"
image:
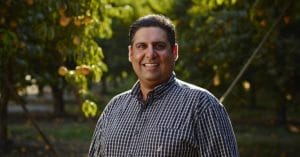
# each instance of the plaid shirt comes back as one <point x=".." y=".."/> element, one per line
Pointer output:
<point x="177" y="120"/>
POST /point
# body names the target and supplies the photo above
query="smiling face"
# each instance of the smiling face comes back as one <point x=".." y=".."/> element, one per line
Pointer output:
<point x="152" y="57"/>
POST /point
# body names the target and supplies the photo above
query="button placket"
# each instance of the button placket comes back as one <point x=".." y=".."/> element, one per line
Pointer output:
<point x="140" y="121"/>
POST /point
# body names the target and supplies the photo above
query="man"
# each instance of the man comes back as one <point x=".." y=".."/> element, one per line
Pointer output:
<point x="161" y="115"/>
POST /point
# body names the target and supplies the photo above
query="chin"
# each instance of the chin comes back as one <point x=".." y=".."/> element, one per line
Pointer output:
<point x="153" y="78"/>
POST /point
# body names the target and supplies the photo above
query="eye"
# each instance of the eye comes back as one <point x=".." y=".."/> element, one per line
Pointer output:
<point x="160" y="46"/>
<point x="141" y="46"/>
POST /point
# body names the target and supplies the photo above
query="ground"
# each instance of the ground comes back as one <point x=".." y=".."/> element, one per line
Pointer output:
<point x="256" y="132"/>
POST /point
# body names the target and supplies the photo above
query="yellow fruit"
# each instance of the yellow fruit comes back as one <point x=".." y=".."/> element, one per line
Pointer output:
<point x="64" y="21"/>
<point x="76" y="40"/>
<point x="13" y="24"/>
<point x="83" y="69"/>
<point x="263" y="23"/>
<point x="62" y="70"/>
<point x="29" y="2"/>
<point x="77" y="22"/>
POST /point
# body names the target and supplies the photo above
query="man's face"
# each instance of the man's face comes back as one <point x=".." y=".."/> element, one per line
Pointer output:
<point x="152" y="56"/>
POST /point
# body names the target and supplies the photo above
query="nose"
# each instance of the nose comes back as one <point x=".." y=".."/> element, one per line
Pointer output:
<point x="151" y="52"/>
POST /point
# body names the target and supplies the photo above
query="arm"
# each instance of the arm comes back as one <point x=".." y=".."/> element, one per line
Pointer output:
<point x="214" y="131"/>
<point x="94" y="149"/>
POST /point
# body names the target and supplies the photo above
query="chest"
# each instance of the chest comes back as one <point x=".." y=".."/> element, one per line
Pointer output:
<point x="161" y="128"/>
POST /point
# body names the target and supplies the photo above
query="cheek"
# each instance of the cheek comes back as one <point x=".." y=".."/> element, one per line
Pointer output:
<point x="167" y="58"/>
<point x="137" y="56"/>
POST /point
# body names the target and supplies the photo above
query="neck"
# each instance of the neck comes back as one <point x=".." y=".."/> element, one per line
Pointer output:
<point x="147" y="87"/>
<point x="145" y="91"/>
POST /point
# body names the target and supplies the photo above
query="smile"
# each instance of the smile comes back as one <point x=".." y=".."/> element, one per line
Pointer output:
<point x="150" y="65"/>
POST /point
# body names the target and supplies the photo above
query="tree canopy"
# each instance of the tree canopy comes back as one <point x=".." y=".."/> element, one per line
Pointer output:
<point x="216" y="38"/>
<point x="43" y="40"/>
<point x="46" y="42"/>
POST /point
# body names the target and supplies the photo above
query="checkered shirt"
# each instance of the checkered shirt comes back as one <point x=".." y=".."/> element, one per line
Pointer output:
<point x="177" y="120"/>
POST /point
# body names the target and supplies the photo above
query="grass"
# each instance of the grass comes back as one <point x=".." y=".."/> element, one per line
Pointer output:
<point x="256" y="141"/>
<point x="253" y="140"/>
<point x="256" y="133"/>
<point x="69" y="137"/>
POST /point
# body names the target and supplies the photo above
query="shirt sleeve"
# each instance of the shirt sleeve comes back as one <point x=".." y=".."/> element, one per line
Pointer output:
<point x="95" y="146"/>
<point x="94" y="150"/>
<point x="215" y="133"/>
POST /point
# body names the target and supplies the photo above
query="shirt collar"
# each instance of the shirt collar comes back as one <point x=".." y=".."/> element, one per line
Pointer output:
<point x="157" y="91"/>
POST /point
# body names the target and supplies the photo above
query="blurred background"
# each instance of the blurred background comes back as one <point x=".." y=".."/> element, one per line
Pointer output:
<point x="61" y="61"/>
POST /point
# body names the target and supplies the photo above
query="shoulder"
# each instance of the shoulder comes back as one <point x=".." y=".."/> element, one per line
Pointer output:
<point x="203" y="98"/>
<point x="189" y="86"/>
<point x="194" y="90"/>
<point x="116" y="101"/>
<point x="121" y="96"/>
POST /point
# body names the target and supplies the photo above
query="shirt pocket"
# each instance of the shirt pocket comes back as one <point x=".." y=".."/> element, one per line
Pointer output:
<point x="169" y="142"/>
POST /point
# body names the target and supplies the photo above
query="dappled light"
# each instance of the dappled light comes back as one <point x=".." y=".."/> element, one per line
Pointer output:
<point x="62" y="61"/>
<point x="246" y="85"/>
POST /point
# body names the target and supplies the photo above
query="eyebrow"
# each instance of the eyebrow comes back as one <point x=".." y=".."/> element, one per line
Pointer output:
<point x="156" y="42"/>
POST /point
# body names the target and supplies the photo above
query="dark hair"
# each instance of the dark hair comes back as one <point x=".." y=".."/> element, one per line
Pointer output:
<point x="154" y="21"/>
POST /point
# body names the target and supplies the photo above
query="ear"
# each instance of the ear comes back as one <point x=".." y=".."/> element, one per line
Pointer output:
<point x="129" y="52"/>
<point x="175" y="51"/>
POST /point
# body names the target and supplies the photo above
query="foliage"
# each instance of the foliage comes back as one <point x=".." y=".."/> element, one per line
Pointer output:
<point x="225" y="34"/>
<point x="216" y="38"/>
<point x="115" y="48"/>
<point x="45" y="39"/>
<point x="45" y="42"/>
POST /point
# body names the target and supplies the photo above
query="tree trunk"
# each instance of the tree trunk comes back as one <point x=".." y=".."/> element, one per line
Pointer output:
<point x="104" y="84"/>
<point x="58" y="100"/>
<point x="281" y="82"/>
<point x="281" y="113"/>
<point x="4" y="97"/>
<point x="253" y="104"/>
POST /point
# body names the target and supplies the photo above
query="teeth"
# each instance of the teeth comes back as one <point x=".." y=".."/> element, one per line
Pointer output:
<point x="150" y="65"/>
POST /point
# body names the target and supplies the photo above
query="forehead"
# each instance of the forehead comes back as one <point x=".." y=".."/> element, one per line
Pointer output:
<point x="150" y="34"/>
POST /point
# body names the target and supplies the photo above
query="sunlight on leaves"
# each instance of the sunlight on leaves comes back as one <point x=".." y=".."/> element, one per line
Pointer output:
<point x="29" y="2"/>
<point x="246" y="85"/>
<point x="89" y="108"/>
<point x="288" y="97"/>
<point x="162" y="6"/>
<point x="293" y="128"/>
<point x="216" y="80"/>
<point x="220" y="2"/>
